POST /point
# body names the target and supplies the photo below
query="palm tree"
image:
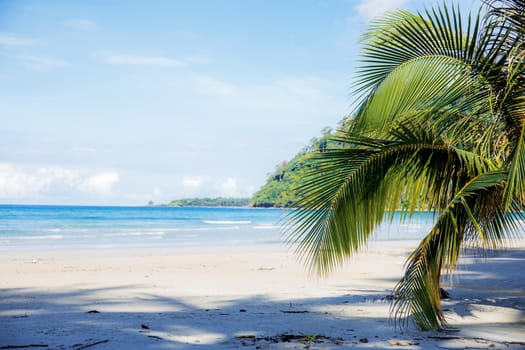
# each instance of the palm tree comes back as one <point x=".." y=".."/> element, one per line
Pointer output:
<point x="440" y="127"/>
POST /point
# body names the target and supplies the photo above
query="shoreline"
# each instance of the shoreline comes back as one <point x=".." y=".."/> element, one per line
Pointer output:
<point x="257" y="295"/>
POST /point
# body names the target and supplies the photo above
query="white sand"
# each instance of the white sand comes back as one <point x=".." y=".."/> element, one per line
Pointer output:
<point x="244" y="297"/>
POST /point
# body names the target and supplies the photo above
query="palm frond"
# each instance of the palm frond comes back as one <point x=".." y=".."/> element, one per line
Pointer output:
<point x="335" y="192"/>
<point x="402" y="36"/>
<point x="347" y="190"/>
<point x="510" y="16"/>
<point x="417" y="294"/>
<point x="440" y="127"/>
<point x="435" y="84"/>
<point x="513" y="106"/>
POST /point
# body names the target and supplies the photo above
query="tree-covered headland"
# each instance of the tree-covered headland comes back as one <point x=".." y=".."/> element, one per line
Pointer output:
<point x="281" y="187"/>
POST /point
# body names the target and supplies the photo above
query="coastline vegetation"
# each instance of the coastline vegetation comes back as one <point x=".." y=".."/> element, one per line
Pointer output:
<point x="280" y="189"/>
<point x="210" y="202"/>
<point x="283" y="187"/>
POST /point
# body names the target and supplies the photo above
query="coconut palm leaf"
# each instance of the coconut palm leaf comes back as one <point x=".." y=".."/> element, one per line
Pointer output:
<point x="512" y="104"/>
<point x="509" y="14"/>
<point x="417" y="294"/>
<point x="401" y="36"/>
<point x="434" y="84"/>
<point x="440" y="127"/>
<point x="347" y="190"/>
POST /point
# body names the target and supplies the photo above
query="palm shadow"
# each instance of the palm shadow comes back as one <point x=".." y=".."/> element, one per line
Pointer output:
<point x="493" y="284"/>
<point x="101" y="318"/>
<point x="72" y="319"/>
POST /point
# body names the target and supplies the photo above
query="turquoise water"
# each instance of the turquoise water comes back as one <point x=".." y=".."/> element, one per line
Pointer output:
<point x="65" y="227"/>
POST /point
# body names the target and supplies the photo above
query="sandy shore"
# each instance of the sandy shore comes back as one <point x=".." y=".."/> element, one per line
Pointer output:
<point x="256" y="297"/>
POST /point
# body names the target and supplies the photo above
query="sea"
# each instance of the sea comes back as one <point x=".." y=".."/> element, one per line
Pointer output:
<point x="33" y="227"/>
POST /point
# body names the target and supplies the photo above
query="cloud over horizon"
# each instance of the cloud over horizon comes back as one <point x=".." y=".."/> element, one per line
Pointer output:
<point x="205" y="186"/>
<point x="23" y="182"/>
<point x="100" y="183"/>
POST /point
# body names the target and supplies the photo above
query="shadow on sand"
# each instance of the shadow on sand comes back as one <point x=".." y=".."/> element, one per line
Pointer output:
<point x="96" y="319"/>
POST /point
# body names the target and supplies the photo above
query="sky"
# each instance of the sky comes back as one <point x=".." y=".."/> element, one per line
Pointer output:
<point x="122" y="102"/>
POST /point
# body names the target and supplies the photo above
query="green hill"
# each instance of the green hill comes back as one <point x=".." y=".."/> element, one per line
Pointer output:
<point x="280" y="188"/>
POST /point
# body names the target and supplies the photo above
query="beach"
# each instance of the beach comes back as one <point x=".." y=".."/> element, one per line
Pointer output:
<point x="245" y="297"/>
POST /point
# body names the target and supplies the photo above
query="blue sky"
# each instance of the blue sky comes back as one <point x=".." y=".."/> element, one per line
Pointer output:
<point x="122" y="102"/>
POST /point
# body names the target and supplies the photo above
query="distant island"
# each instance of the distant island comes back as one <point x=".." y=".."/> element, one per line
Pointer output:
<point x="210" y="202"/>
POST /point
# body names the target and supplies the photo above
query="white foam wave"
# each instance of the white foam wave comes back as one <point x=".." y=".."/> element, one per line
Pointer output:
<point x="188" y="236"/>
<point x="266" y="227"/>
<point x="227" y="222"/>
<point x="135" y="234"/>
<point x="160" y="233"/>
<point x="203" y="229"/>
<point x="39" y="237"/>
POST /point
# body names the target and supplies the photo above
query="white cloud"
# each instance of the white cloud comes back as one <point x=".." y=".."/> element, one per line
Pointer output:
<point x="207" y="186"/>
<point x="16" y="184"/>
<point x="101" y="183"/>
<point x="303" y="88"/>
<point x="309" y="96"/>
<point x="57" y="175"/>
<point x="198" y="59"/>
<point x="157" y="192"/>
<point x="143" y="60"/>
<point x="374" y="8"/>
<point x="290" y="94"/>
<point x="19" y="182"/>
<point x="30" y="183"/>
<point x="192" y="183"/>
<point x="15" y="41"/>
<point x="229" y="188"/>
<point x="81" y="24"/>
<point x="212" y="86"/>
<point x="41" y="62"/>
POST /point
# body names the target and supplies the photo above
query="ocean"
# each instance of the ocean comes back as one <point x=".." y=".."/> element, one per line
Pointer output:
<point x="28" y="227"/>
